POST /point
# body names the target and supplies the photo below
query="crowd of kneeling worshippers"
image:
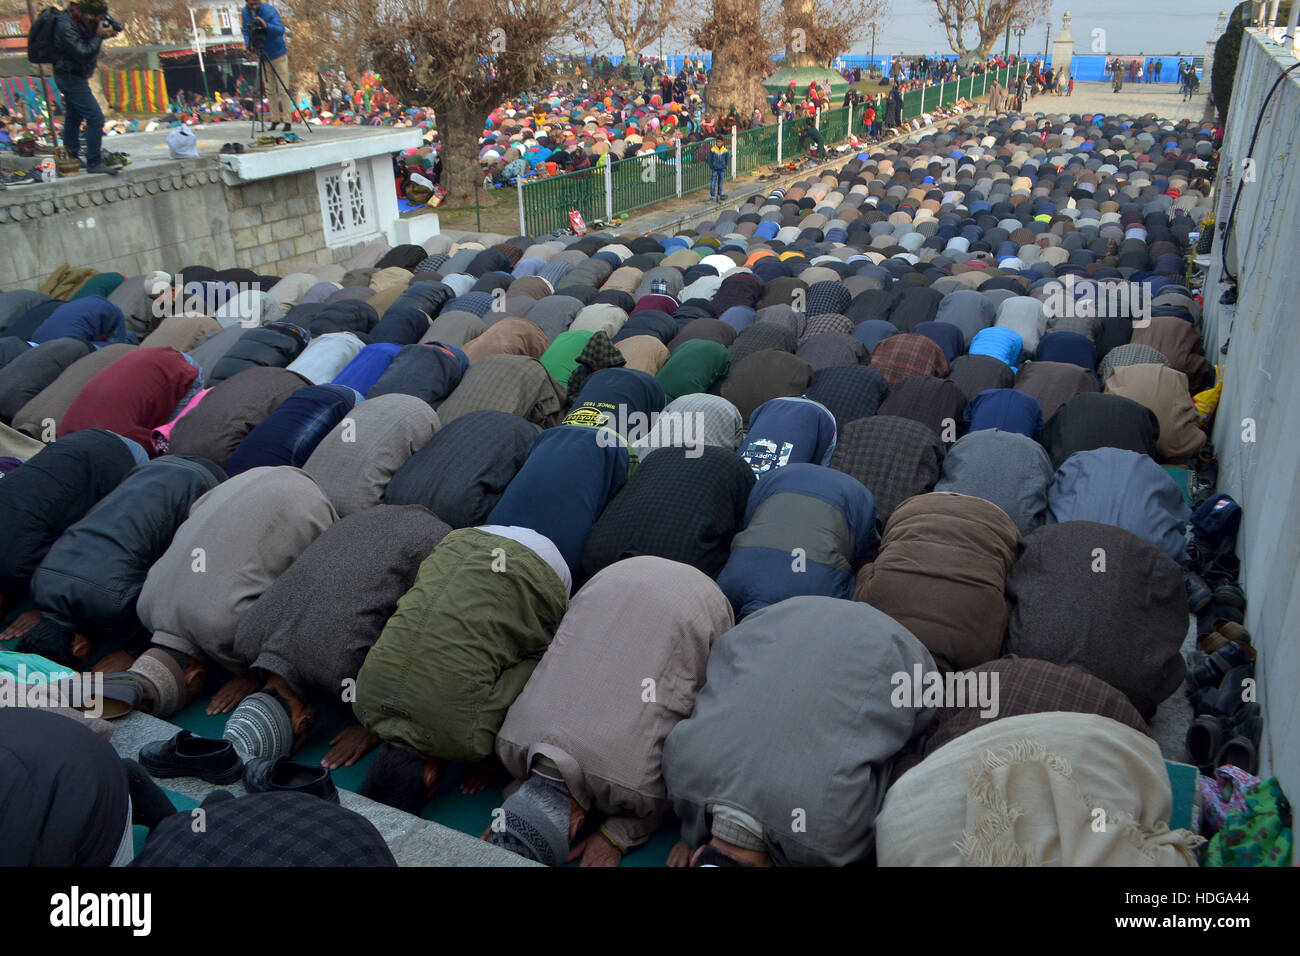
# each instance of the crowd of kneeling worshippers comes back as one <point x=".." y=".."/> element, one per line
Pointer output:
<point x="680" y="530"/>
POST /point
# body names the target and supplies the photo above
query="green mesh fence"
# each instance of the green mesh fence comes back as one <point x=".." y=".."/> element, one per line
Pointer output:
<point x="643" y="180"/>
<point x="755" y="148"/>
<point x="547" y="201"/>
<point x="835" y="126"/>
<point x="695" y="166"/>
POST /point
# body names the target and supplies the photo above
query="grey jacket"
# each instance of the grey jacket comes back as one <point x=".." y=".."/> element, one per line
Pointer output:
<point x="795" y="727"/>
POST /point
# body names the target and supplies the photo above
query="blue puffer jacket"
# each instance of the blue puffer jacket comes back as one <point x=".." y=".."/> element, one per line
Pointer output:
<point x="91" y="319"/>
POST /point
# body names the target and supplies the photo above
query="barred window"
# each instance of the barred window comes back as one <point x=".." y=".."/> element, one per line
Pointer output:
<point x="346" y="201"/>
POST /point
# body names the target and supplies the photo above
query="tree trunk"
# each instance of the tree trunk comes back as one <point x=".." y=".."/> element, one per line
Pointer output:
<point x="730" y="84"/>
<point x="457" y="131"/>
<point x="733" y="82"/>
<point x="797" y="14"/>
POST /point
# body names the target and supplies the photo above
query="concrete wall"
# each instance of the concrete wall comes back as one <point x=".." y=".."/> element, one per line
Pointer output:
<point x="1260" y="383"/>
<point x="162" y="216"/>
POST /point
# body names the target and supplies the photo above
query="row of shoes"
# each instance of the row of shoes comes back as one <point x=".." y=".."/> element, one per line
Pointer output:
<point x="1221" y="671"/>
<point x="28" y="178"/>
<point x="217" y="762"/>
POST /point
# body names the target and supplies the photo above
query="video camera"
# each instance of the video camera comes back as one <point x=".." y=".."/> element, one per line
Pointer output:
<point x="113" y="22"/>
<point x="256" y="35"/>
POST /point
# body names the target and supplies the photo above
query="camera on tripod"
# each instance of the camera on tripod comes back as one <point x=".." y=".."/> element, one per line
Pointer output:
<point x="256" y="35"/>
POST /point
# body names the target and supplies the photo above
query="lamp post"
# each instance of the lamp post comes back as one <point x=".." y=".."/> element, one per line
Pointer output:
<point x="198" y="48"/>
<point x="872" y="61"/>
<point x="1020" y="36"/>
<point x="1047" y="44"/>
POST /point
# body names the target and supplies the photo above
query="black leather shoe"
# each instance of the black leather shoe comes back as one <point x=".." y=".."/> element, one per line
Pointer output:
<point x="188" y="756"/>
<point x="266" y="774"/>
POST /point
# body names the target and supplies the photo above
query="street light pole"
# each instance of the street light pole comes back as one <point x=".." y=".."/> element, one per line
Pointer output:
<point x="873" y="46"/>
<point x="198" y="48"/>
<point x="1047" y="44"/>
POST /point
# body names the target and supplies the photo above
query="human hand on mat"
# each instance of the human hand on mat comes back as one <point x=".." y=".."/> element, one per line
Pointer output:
<point x="231" y="693"/>
<point x="596" y="851"/>
<point x="680" y="854"/>
<point x="349" y="746"/>
<point x="21" y="624"/>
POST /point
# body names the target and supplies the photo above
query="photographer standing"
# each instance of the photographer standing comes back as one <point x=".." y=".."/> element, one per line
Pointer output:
<point x="264" y="35"/>
<point x="78" y="34"/>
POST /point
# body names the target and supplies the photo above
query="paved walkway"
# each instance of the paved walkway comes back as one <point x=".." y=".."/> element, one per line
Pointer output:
<point x="1136" y="99"/>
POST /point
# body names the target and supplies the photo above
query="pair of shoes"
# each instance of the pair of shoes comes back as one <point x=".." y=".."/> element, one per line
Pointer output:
<point x="101" y="169"/>
<point x="186" y="755"/>
<point x="1210" y="670"/>
<point x="1225" y="699"/>
<point x="1214" y="740"/>
<point x="233" y="148"/>
<point x="267" y="774"/>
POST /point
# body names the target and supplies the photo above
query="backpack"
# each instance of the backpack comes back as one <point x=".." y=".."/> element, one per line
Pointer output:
<point x="1216" y="521"/>
<point x="40" y="39"/>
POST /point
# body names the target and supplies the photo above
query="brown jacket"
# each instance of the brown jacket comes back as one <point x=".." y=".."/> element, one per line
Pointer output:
<point x="1164" y="391"/>
<point x="1177" y="340"/>
<point x="941" y="571"/>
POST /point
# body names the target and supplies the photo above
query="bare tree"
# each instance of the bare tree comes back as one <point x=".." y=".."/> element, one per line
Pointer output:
<point x="815" y="32"/>
<point x="464" y="58"/>
<point x="634" y="23"/>
<point x="153" y="21"/>
<point x="987" y="19"/>
<point x="327" y="33"/>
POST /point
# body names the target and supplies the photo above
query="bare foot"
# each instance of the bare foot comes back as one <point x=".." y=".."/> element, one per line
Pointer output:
<point x="349" y="746"/>
<point x="21" y="624"/>
<point x="231" y="693"/>
<point x="432" y="775"/>
<point x="477" y="777"/>
<point x="114" y="663"/>
<point x="680" y="854"/>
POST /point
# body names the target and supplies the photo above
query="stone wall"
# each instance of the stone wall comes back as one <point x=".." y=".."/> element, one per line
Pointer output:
<point x="162" y="216"/>
<point x="276" y="226"/>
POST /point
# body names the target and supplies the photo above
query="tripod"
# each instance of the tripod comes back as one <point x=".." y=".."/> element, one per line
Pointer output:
<point x="263" y="66"/>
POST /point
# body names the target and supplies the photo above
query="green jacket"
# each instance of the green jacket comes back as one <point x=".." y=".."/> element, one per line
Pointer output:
<point x="460" y="646"/>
